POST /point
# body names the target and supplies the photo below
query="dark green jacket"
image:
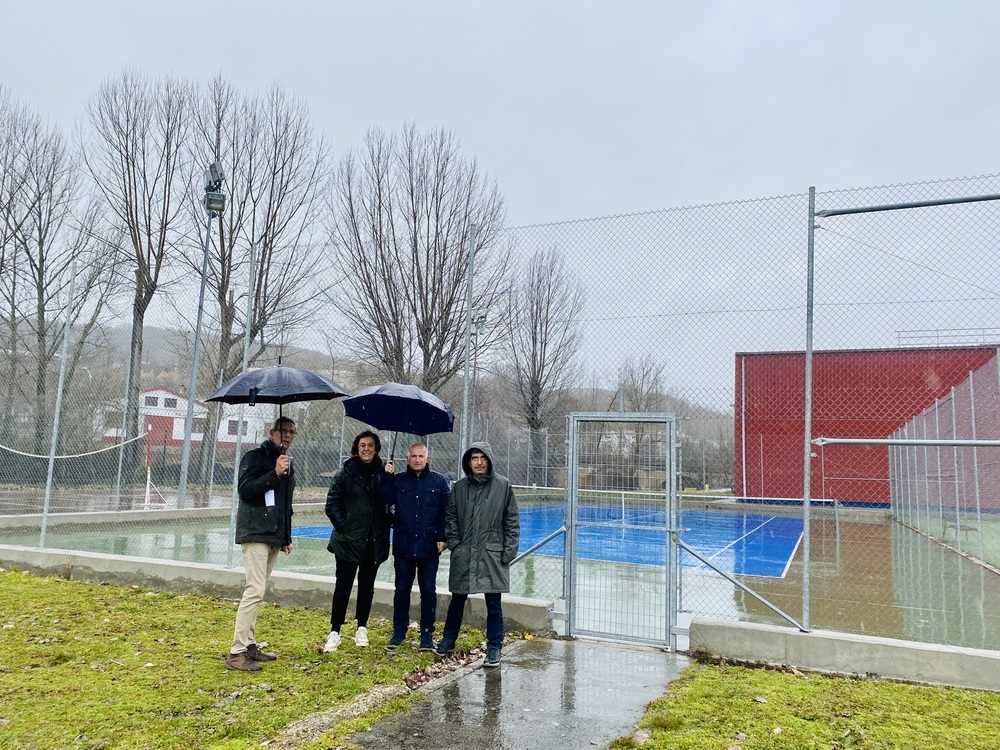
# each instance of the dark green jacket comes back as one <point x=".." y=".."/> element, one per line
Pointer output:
<point x="357" y="513"/>
<point x="483" y="529"/>
<point x="256" y="521"/>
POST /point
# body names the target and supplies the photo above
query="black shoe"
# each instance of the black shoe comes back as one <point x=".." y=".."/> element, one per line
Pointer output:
<point x="492" y="660"/>
<point x="427" y="641"/>
<point x="254" y="652"/>
<point x="445" y="646"/>
<point x="396" y="641"/>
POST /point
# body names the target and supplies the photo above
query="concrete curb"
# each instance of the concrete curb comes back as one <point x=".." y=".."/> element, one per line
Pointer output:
<point x="287" y="589"/>
<point x="844" y="653"/>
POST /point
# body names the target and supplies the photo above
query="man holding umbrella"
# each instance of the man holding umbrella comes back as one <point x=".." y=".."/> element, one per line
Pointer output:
<point x="263" y="528"/>
<point x="416" y="500"/>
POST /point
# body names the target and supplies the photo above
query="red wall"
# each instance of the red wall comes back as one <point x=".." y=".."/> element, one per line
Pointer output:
<point x="160" y="430"/>
<point x="856" y="394"/>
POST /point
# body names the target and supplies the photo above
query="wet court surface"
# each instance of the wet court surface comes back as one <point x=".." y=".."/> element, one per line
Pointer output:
<point x="546" y="694"/>
<point x="868" y="573"/>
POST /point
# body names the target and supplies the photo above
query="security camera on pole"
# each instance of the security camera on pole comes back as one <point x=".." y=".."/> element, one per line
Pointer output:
<point x="215" y="203"/>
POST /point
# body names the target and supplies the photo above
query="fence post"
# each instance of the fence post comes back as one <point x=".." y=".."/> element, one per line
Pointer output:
<point x="54" y="444"/>
<point x="545" y="433"/>
<point x="954" y="435"/>
<point x="807" y="407"/>
<point x="937" y="436"/>
<point x="975" y="465"/>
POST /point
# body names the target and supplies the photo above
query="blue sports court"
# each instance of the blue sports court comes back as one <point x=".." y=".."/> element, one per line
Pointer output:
<point x="748" y="544"/>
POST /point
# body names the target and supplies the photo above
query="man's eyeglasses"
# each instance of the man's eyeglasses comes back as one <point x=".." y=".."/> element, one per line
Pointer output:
<point x="289" y="433"/>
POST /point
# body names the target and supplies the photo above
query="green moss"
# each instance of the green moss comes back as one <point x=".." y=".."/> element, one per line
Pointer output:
<point x="759" y="709"/>
<point x="90" y="666"/>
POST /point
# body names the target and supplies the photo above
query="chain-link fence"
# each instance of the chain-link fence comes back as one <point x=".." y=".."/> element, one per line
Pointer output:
<point x="700" y="312"/>
<point x="952" y="491"/>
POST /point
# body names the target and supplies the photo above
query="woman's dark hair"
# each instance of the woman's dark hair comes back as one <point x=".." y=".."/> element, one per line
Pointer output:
<point x="364" y="434"/>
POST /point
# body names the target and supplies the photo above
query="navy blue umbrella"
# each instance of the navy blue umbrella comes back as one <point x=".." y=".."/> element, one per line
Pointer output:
<point x="278" y="385"/>
<point x="400" y="408"/>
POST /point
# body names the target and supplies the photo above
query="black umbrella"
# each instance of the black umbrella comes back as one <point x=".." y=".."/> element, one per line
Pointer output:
<point x="400" y="408"/>
<point x="278" y="385"/>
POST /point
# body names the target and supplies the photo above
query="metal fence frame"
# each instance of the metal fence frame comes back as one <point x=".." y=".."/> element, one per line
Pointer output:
<point x="574" y="421"/>
<point x="656" y="233"/>
<point x="809" y="338"/>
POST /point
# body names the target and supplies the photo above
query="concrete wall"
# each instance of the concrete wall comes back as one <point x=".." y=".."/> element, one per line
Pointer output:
<point x="820" y="651"/>
<point x="55" y="520"/>
<point x="287" y="589"/>
<point x="842" y="653"/>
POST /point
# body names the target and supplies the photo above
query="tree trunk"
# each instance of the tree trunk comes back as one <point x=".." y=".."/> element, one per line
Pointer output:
<point x="130" y="452"/>
<point x="7" y="422"/>
<point x="42" y="420"/>
<point x="537" y="442"/>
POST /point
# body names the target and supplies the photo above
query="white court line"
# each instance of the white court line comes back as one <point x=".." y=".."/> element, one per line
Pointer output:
<point x="741" y="538"/>
<point x="791" y="557"/>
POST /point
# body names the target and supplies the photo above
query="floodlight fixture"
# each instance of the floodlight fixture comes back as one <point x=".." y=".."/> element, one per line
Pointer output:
<point x="214" y="202"/>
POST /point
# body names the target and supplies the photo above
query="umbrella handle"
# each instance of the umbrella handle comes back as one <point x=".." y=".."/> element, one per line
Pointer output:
<point x="392" y="451"/>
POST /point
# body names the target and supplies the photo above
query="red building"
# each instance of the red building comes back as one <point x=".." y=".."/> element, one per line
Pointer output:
<point x="856" y="394"/>
<point x="163" y="414"/>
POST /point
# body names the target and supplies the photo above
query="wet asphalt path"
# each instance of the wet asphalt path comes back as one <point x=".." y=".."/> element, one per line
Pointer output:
<point x="546" y="694"/>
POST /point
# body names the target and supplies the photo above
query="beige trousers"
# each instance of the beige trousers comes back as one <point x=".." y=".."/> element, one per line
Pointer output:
<point x="258" y="560"/>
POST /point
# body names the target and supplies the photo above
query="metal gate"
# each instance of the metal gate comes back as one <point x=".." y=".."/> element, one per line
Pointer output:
<point x="621" y="559"/>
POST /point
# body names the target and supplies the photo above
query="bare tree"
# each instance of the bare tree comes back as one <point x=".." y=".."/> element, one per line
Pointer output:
<point x="640" y="388"/>
<point x="135" y="155"/>
<point x="641" y="384"/>
<point x="276" y="168"/>
<point x="543" y="337"/>
<point x="403" y="209"/>
<point x="12" y="180"/>
<point x="58" y="239"/>
<point x="48" y="229"/>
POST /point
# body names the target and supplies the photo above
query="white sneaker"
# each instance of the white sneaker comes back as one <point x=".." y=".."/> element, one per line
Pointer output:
<point x="332" y="641"/>
<point x="361" y="637"/>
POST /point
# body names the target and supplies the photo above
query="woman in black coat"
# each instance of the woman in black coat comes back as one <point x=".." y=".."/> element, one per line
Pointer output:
<point x="360" y="538"/>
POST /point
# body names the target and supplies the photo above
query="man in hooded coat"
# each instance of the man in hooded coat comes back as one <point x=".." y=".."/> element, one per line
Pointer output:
<point x="482" y="529"/>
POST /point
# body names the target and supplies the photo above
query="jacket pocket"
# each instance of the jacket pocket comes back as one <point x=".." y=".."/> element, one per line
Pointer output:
<point x="460" y="557"/>
<point x="494" y="551"/>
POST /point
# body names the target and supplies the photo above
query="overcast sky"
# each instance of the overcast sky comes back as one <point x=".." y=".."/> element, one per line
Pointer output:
<point x="579" y="109"/>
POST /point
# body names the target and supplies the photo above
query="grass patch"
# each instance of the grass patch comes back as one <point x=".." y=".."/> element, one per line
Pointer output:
<point x="92" y="666"/>
<point x="725" y="706"/>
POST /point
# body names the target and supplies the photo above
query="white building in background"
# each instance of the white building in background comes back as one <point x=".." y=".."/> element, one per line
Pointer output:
<point x="162" y="413"/>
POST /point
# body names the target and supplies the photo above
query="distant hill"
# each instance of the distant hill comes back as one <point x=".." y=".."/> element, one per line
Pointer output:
<point x="167" y="355"/>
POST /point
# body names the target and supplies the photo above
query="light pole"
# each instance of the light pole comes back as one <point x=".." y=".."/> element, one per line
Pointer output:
<point x="478" y="322"/>
<point x="214" y="202"/>
<point x="704" y="478"/>
<point x="464" y="432"/>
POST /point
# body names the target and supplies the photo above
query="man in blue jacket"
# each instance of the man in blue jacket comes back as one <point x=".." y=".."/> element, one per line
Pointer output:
<point x="416" y="501"/>
<point x="263" y="528"/>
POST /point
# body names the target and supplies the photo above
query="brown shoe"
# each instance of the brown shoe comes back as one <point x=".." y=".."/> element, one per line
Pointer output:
<point x="242" y="662"/>
<point x="257" y="655"/>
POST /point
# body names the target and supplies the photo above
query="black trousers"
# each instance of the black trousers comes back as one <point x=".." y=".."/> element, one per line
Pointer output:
<point x="345" y="573"/>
